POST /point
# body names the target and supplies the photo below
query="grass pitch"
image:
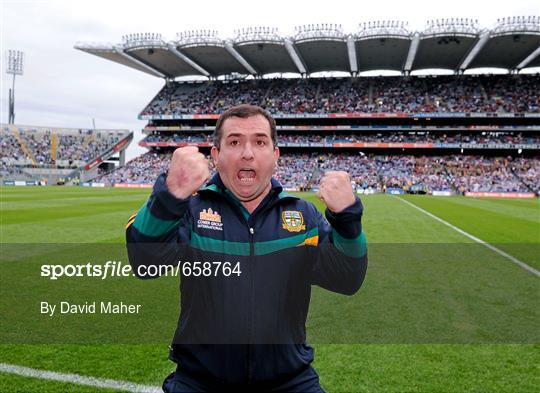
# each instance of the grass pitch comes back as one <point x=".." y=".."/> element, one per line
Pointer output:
<point x="437" y="312"/>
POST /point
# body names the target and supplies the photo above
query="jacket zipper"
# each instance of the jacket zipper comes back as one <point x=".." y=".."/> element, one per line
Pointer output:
<point x="251" y="305"/>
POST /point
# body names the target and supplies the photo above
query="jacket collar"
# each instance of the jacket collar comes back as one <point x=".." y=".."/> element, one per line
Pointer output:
<point x="215" y="184"/>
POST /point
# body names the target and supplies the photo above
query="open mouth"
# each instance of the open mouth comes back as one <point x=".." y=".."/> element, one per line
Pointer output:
<point x="246" y="175"/>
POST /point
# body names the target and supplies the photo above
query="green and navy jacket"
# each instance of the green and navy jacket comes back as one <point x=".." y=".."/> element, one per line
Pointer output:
<point x="283" y="248"/>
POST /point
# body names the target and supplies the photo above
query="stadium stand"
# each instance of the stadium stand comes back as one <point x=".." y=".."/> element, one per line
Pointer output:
<point x="419" y="174"/>
<point x="491" y="138"/>
<point x="400" y="155"/>
<point x="141" y="170"/>
<point x="528" y="171"/>
<point x="459" y="133"/>
<point x="34" y="153"/>
<point x="485" y="94"/>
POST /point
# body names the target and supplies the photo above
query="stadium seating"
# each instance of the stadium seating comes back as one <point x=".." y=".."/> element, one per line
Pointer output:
<point x="47" y="147"/>
<point x="495" y="93"/>
<point x="142" y="170"/>
<point x="329" y="138"/>
<point x="528" y="171"/>
<point x="496" y="167"/>
<point x="303" y="171"/>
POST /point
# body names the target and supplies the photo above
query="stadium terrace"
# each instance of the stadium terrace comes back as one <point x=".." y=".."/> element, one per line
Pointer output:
<point x="442" y="135"/>
<point x="33" y="155"/>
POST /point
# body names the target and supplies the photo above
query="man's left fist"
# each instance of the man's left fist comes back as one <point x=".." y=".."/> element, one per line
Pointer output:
<point x="335" y="191"/>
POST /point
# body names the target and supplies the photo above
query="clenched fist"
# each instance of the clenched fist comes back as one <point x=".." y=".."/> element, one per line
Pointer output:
<point x="188" y="171"/>
<point x="335" y="191"/>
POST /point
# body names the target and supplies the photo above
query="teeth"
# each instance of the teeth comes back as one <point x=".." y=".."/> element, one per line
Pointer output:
<point x="246" y="175"/>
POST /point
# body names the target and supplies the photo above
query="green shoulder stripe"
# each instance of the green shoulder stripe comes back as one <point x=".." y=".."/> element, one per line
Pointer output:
<point x="284" y="194"/>
<point x="219" y="246"/>
<point x="211" y="187"/>
<point x="242" y="248"/>
<point x="262" y="248"/>
<point x="356" y="247"/>
<point x="149" y="225"/>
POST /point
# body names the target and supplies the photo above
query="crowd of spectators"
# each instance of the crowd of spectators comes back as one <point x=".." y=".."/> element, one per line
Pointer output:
<point x="303" y="171"/>
<point x="482" y="174"/>
<point x="141" y="170"/>
<point x="528" y="171"/>
<point x="396" y="94"/>
<point x="361" y="168"/>
<point x="329" y="138"/>
<point x="462" y="93"/>
<point x="72" y="149"/>
<point x="178" y="137"/>
<point x="11" y="152"/>
<point x="39" y="145"/>
<point x="83" y="147"/>
<point x="458" y="173"/>
<point x="296" y="170"/>
<point x="405" y="172"/>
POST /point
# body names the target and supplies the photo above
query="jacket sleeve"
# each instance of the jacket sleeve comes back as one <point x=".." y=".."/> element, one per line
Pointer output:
<point x="158" y="234"/>
<point x="341" y="254"/>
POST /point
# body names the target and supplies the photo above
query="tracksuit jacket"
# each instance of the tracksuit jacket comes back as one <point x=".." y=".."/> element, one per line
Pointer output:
<point x="249" y="328"/>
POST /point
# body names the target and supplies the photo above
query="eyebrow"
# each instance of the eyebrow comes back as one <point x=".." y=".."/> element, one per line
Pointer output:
<point x="258" y="134"/>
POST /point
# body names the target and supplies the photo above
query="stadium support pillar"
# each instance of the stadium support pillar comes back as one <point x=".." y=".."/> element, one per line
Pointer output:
<point x="484" y="37"/>
<point x="120" y="50"/>
<point x="295" y="57"/>
<point x="412" y="52"/>
<point x="351" y="51"/>
<point x="122" y="158"/>
<point x="11" y="119"/>
<point x="240" y="59"/>
<point x="528" y="59"/>
<point x="12" y="103"/>
<point x="186" y="59"/>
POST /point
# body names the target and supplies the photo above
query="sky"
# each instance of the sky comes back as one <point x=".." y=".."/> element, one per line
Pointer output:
<point x="65" y="87"/>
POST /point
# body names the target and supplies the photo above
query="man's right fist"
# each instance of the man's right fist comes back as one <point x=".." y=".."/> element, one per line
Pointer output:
<point x="188" y="171"/>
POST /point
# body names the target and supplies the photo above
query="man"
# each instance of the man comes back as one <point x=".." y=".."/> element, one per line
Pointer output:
<point x="243" y="329"/>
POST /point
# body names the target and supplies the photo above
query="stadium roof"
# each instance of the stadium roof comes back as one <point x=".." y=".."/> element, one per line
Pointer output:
<point x="454" y="44"/>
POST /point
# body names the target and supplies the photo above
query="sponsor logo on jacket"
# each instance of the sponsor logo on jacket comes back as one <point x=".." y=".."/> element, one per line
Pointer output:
<point x="210" y="219"/>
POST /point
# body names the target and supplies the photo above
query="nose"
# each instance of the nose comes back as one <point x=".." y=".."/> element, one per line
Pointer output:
<point x="247" y="152"/>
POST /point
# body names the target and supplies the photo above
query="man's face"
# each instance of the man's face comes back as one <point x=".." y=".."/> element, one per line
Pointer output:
<point x="247" y="157"/>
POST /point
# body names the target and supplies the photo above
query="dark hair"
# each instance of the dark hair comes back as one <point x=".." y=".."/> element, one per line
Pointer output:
<point x="244" y="111"/>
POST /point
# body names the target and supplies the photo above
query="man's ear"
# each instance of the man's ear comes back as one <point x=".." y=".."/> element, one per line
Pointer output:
<point x="276" y="152"/>
<point x="214" y="152"/>
<point x="276" y="157"/>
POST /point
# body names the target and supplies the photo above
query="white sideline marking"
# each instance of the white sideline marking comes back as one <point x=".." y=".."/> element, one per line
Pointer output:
<point x="521" y="264"/>
<point x="78" y="379"/>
